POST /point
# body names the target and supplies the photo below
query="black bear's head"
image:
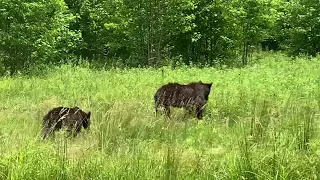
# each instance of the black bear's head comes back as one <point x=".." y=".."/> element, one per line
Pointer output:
<point x="86" y="121"/>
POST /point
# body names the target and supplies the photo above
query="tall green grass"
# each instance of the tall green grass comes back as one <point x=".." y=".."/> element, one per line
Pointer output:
<point x="261" y="122"/>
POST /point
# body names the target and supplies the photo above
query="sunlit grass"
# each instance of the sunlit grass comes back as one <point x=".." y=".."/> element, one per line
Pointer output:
<point x="262" y="122"/>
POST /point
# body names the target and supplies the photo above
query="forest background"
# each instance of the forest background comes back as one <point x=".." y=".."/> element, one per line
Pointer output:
<point x="138" y="33"/>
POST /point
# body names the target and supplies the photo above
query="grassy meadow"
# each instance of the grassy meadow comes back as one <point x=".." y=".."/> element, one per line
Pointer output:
<point x="261" y="122"/>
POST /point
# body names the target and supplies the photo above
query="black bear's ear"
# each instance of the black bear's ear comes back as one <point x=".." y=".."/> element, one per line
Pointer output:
<point x="200" y="82"/>
<point x="88" y="115"/>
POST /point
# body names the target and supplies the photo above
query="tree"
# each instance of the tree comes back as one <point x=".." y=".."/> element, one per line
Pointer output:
<point x="34" y="32"/>
<point x="252" y="23"/>
<point x="304" y="29"/>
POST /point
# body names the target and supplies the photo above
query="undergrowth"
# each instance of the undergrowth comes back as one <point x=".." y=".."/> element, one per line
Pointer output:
<point x="261" y="122"/>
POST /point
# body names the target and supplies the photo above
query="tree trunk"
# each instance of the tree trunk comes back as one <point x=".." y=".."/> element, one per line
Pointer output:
<point x="245" y="46"/>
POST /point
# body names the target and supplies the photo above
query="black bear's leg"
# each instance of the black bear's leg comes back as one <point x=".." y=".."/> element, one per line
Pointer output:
<point x="188" y="112"/>
<point x="77" y="130"/>
<point x="156" y="105"/>
<point x="167" y="110"/>
<point x="70" y="131"/>
<point x="45" y="132"/>
<point x="48" y="130"/>
<point x="199" y="111"/>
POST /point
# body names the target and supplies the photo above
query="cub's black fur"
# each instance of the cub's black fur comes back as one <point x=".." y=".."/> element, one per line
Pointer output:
<point x="62" y="117"/>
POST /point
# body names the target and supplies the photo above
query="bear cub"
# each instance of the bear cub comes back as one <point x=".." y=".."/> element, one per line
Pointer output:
<point x="72" y="119"/>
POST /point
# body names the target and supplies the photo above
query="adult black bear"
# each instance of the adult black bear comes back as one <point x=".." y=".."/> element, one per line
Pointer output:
<point x="62" y="117"/>
<point x="270" y="44"/>
<point x="193" y="96"/>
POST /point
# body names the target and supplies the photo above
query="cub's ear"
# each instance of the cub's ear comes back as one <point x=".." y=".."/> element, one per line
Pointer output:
<point x="88" y="115"/>
<point x="200" y="82"/>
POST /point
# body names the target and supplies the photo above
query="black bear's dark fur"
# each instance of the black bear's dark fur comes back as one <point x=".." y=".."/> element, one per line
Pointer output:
<point x="270" y="44"/>
<point x="193" y="96"/>
<point x="62" y="117"/>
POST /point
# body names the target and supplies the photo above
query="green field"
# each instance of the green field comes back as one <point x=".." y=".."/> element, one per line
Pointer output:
<point x="261" y="122"/>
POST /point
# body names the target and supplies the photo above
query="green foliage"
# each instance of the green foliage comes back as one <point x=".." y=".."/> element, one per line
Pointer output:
<point x="262" y="122"/>
<point x="138" y="33"/>
<point x="304" y="27"/>
<point x="34" y="32"/>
